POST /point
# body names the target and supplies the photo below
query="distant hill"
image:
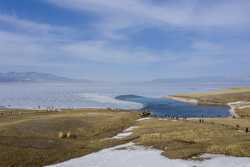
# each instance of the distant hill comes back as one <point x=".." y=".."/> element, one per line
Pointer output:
<point x="203" y="80"/>
<point x="31" y="77"/>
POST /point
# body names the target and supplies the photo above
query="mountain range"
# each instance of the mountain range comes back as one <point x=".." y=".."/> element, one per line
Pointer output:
<point x="32" y="77"/>
<point x="207" y="80"/>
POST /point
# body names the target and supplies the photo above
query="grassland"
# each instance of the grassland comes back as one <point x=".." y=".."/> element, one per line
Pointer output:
<point x="191" y="138"/>
<point x="220" y="97"/>
<point x="30" y="138"/>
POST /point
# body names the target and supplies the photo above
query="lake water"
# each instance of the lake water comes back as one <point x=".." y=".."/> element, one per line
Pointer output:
<point x="160" y="107"/>
<point x="102" y="95"/>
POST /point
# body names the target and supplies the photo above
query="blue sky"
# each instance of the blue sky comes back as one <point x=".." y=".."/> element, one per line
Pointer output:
<point x="126" y="39"/>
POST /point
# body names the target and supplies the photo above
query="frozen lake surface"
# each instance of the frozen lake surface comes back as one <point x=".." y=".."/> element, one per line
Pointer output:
<point x="84" y="95"/>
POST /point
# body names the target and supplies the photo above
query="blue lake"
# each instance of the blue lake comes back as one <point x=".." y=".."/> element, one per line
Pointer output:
<point x="161" y="107"/>
<point x="102" y="95"/>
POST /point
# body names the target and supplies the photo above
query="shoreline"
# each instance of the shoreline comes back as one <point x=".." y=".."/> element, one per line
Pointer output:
<point x="183" y="99"/>
<point x="231" y="105"/>
<point x="232" y="110"/>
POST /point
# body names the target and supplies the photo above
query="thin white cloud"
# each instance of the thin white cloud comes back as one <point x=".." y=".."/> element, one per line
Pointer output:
<point x="119" y="16"/>
<point x="182" y="13"/>
<point x="227" y="49"/>
<point x="28" y="26"/>
<point x="40" y="45"/>
<point x="18" y="49"/>
<point x="208" y="47"/>
<point x="100" y="51"/>
<point x="26" y="49"/>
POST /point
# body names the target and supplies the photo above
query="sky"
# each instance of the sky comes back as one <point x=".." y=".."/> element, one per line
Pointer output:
<point x="126" y="40"/>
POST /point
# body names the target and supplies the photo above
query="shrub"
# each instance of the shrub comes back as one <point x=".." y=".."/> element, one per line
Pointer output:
<point x="69" y="135"/>
<point x="62" y="135"/>
<point x="144" y="114"/>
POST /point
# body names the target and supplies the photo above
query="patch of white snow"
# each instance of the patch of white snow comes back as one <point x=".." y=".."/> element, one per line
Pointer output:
<point x="130" y="155"/>
<point x="125" y="133"/>
<point x="142" y="119"/>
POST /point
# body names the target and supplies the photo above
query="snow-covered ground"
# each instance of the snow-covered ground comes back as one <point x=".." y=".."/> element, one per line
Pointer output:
<point x="143" y="119"/>
<point x="238" y="105"/>
<point x="125" y="133"/>
<point x="130" y="155"/>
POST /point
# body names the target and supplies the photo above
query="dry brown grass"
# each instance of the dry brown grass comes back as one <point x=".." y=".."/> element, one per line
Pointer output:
<point x="243" y="113"/>
<point x="31" y="138"/>
<point x="220" y="97"/>
<point x="185" y="139"/>
<point x="219" y="92"/>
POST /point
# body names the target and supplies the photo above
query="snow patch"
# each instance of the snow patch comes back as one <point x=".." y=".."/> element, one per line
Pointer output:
<point x="183" y="99"/>
<point x="238" y="105"/>
<point x="143" y="119"/>
<point x="130" y="155"/>
<point x="125" y="133"/>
